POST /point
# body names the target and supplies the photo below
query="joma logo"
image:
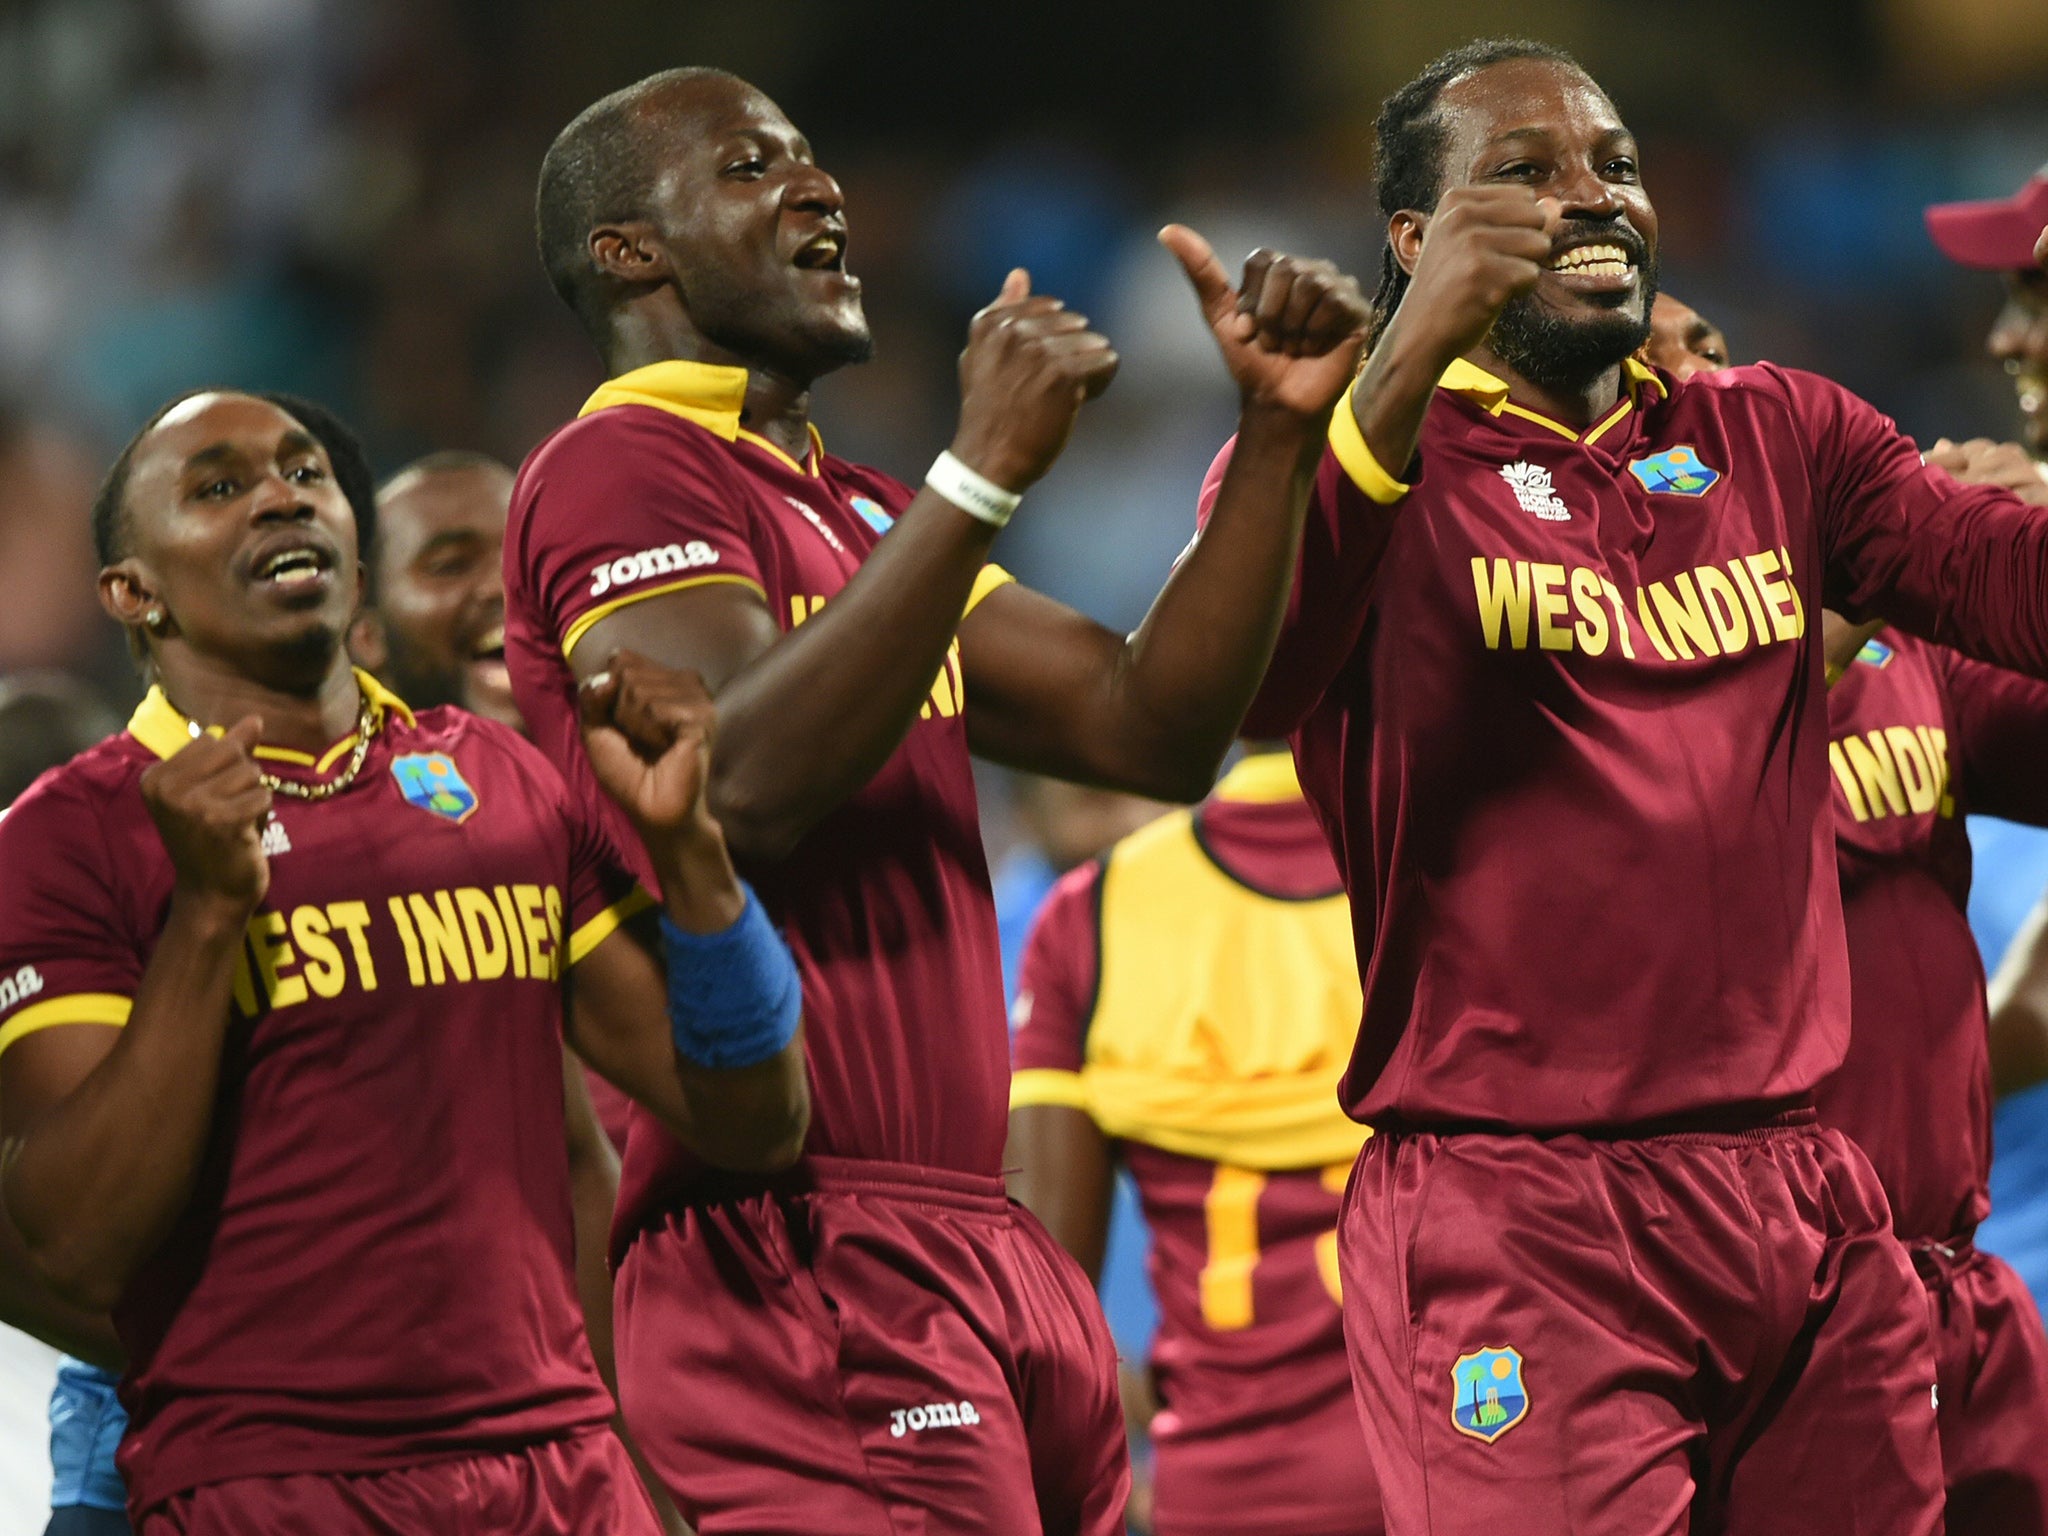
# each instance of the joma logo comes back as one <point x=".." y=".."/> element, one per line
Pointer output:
<point x="932" y="1416"/>
<point x="665" y="561"/>
<point x="20" y="987"/>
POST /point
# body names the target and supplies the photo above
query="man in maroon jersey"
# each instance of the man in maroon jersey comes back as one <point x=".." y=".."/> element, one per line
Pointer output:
<point x="1186" y="1002"/>
<point x="1553" y="693"/>
<point x="338" y="1260"/>
<point x="881" y="1337"/>
<point x="433" y="628"/>
<point x="1920" y="738"/>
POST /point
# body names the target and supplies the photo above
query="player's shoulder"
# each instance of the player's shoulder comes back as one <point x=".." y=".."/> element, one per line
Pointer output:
<point x="619" y="443"/>
<point x="867" y="480"/>
<point x="1076" y="888"/>
<point x="73" y="807"/>
<point x="1793" y="389"/>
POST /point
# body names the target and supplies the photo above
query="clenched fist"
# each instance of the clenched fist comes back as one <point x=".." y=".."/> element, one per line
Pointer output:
<point x="648" y="729"/>
<point x="1030" y="363"/>
<point x="209" y="805"/>
<point x="1291" y="335"/>
<point x="1484" y="246"/>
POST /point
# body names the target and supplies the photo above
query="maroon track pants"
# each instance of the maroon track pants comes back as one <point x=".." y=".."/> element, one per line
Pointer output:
<point x="1716" y="1333"/>
<point x="877" y="1349"/>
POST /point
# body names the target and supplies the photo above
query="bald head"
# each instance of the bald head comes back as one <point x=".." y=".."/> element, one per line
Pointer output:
<point x="603" y="168"/>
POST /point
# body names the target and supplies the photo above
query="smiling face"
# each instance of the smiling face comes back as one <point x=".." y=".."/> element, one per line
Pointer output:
<point x="236" y="530"/>
<point x="753" y="231"/>
<point x="441" y="589"/>
<point x="1546" y="126"/>
<point x="2019" y="340"/>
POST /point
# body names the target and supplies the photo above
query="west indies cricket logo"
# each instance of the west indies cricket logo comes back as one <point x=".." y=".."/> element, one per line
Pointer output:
<point x="1488" y="1398"/>
<point x="1675" y="472"/>
<point x="431" y="781"/>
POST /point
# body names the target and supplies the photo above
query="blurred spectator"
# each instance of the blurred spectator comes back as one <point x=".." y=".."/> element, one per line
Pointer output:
<point x="46" y="718"/>
<point x="48" y="614"/>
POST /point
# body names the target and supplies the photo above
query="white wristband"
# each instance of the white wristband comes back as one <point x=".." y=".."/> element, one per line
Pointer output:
<point x="976" y="495"/>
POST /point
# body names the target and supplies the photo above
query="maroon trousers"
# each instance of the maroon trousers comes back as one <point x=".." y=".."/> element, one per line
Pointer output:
<point x="867" y="1349"/>
<point x="1992" y="1360"/>
<point x="1674" y="1334"/>
<point x="581" y="1486"/>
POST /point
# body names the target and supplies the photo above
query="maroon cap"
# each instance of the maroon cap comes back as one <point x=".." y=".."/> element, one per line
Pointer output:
<point x="1994" y="236"/>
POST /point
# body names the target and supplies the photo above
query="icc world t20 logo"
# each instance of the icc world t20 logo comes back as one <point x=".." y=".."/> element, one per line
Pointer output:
<point x="431" y="781"/>
<point x="1488" y="1398"/>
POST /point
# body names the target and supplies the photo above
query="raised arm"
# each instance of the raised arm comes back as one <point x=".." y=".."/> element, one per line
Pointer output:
<point x="105" y="1128"/>
<point x="699" y="1020"/>
<point x="1481" y="247"/>
<point x="807" y="718"/>
<point x="1054" y="692"/>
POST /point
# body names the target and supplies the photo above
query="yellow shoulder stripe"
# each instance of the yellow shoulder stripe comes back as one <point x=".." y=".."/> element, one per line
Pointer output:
<point x="991" y="577"/>
<point x="1348" y="443"/>
<point x="78" y="1008"/>
<point x="581" y="626"/>
<point x="607" y="923"/>
<point x="1048" y="1085"/>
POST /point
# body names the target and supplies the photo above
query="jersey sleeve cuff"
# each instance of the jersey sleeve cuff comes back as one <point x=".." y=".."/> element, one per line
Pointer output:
<point x="991" y="577"/>
<point x="78" y="1008"/>
<point x="606" y="923"/>
<point x="581" y="624"/>
<point x="1348" y="443"/>
<point x="1047" y="1085"/>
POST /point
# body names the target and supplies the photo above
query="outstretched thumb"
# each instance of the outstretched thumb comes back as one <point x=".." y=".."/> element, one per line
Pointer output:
<point x="1016" y="286"/>
<point x="1212" y="284"/>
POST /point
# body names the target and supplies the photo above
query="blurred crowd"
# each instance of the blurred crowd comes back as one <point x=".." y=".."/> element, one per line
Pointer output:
<point x="333" y="197"/>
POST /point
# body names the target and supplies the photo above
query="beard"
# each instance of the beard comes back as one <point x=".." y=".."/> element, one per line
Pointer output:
<point x="1554" y="352"/>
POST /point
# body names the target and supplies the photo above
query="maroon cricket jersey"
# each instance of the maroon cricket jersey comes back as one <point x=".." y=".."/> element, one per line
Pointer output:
<point x="1258" y="1431"/>
<point x="1921" y="738"/>
<point x="1560" y="706"/>
<point x="885" y="903"/>
<point x="374" y="1269"/>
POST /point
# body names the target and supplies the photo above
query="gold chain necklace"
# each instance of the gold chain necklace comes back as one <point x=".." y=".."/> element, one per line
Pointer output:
<point x="366" y="725"/>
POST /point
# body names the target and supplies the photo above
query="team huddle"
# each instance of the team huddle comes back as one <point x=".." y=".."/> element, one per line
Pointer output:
<point x="1553" y="1061"/>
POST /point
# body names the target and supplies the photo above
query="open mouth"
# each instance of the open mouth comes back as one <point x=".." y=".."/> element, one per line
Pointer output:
<point x="487" y="661"/>
<point x="823" y="252"/>
<point x="295" y="566"/>
<point x="1602" y="259"/>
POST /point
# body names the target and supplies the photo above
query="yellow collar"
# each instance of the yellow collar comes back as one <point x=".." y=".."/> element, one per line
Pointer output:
<point x="157" y="724"/>
<point x="710" y="394"/>
<point x="1490" y="394"/>
<point x="1264" y="778"/>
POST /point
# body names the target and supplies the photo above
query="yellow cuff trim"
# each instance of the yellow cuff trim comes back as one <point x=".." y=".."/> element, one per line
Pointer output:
<point x="79" y="1008"/>
<point x="607" y="923"/>
<point x="581" y="626"/>
<point x="1047" y="1085"/>
<point x="1348" y="443"/>
<point x="991" y="577"/>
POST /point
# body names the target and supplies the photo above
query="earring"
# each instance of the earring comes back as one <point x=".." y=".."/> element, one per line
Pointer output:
<point x="155" y="620"/>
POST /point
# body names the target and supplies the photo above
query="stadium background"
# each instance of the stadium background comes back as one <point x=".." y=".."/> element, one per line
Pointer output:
<point x="333" y="197"/>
